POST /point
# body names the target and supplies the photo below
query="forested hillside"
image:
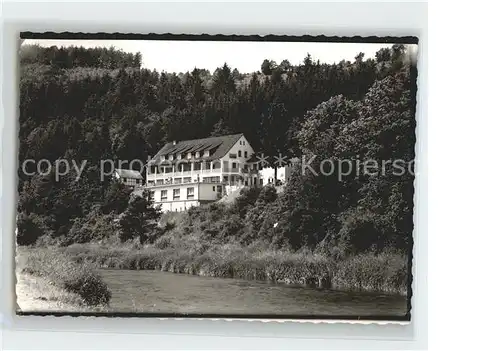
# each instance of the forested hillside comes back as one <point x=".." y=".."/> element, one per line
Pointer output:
<point x="94" y="104"/>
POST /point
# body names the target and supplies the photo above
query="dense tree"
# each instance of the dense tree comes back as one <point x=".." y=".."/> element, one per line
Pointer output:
<point x="267" y="67"/>
<point x="94" y="104"/>
<point x="139" y="219"/>
<point x="116" y="198"/>
<point x="285" y="66"/>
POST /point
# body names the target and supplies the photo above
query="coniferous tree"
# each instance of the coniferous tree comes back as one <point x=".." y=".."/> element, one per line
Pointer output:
<point x="139" y="219"/>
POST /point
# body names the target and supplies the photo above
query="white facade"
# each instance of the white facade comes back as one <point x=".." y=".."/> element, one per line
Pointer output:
<point x="267" y="175"/>
<point x="181" y="197"/>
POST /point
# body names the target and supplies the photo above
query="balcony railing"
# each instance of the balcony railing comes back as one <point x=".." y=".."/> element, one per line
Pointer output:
<point x="194" y="173"/>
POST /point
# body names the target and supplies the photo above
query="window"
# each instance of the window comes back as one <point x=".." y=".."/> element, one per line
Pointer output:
<point x="163" y="195"/>
<point x="179" y="156"/>
<point x="171" y="157"/>
<point x="246" y="154"/>
<point x="168" y="169"/>
<point x="239" y="153"/>
<point x="177" y="180"/>
<point x="187" y="180"/>
<point x="190" y="193"/>
<point x="159" y="182"/>
<point x="216" y="165"/>
<point x="219" y="188"/>
<point x="124" y="180"/>
<point x="138" y="181"/>
<point x="261" y="181"/>
<point x="162" y="158"/>
<point x="235" y="165"/>
<point x="232" y="155"/>
<point x="213" y="188"/>
<point x="189" y="155"/>
<point x="151" y="182"/>
<point x="197" y="155"/>
<point x="211" y="180"/>
<point x="206" y="153"/>
<point x="177" y="194"/>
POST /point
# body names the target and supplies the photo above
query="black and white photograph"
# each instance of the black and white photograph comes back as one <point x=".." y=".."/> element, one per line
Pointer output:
<point x="224" y="176"/>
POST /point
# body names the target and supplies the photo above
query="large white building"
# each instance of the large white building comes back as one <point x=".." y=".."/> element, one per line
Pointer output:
<point x="192" y="172"/>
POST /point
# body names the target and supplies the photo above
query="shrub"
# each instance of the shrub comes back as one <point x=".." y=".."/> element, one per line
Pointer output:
<point x="162" y="242"/>
<point x="57" y="267"/>
<point x="80" y="232"/>
<point x="360" y="233"/>
<point x="245" y="200"/>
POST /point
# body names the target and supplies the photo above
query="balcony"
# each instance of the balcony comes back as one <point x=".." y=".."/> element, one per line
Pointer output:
<point x="232" y="170"/>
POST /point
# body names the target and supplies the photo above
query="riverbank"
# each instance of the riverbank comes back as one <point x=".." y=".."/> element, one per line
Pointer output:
<point x="384" y="272"/>
<point x="36" y="294"/>
<point x="49" y="280"/>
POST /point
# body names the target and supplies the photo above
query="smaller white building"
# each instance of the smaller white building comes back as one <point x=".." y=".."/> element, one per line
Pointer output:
<point x="128" y="177"/>
<point x="267" y="175"/>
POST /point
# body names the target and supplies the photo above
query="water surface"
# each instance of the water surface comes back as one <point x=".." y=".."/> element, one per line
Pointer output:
<point x="162" y="292"/>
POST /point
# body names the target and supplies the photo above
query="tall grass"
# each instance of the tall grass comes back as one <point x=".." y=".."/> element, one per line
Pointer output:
<point x="386" y="272"/>
<point x="67" y="274"/>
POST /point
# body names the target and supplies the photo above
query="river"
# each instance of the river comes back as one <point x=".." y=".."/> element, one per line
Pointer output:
<point x="161" y="292"/>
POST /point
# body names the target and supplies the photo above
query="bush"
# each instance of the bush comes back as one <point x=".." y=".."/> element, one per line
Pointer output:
<point x="162" y="242"/>
<point x="245" y="200"/>
<point x="360" y="233"/>
<point x="57" y="267"/>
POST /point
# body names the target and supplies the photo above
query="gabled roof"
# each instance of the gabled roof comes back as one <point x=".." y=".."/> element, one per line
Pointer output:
<point x="128" y="173"/>
<point x="218" y="147"/>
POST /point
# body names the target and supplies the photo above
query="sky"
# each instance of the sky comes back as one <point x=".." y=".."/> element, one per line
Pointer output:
<point x="183" y="56"/>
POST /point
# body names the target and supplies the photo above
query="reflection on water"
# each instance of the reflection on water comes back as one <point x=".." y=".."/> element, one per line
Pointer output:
<point x="161" y="292"/>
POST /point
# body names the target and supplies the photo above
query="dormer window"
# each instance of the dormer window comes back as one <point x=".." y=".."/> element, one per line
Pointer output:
<point x="197" y="155"/>
<point x="162" y="158"/>
<point x="171" y="157"/>
<point x="206" y="153"/>
<point x="189" y="155"/>
<point x="179" y="156"/>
